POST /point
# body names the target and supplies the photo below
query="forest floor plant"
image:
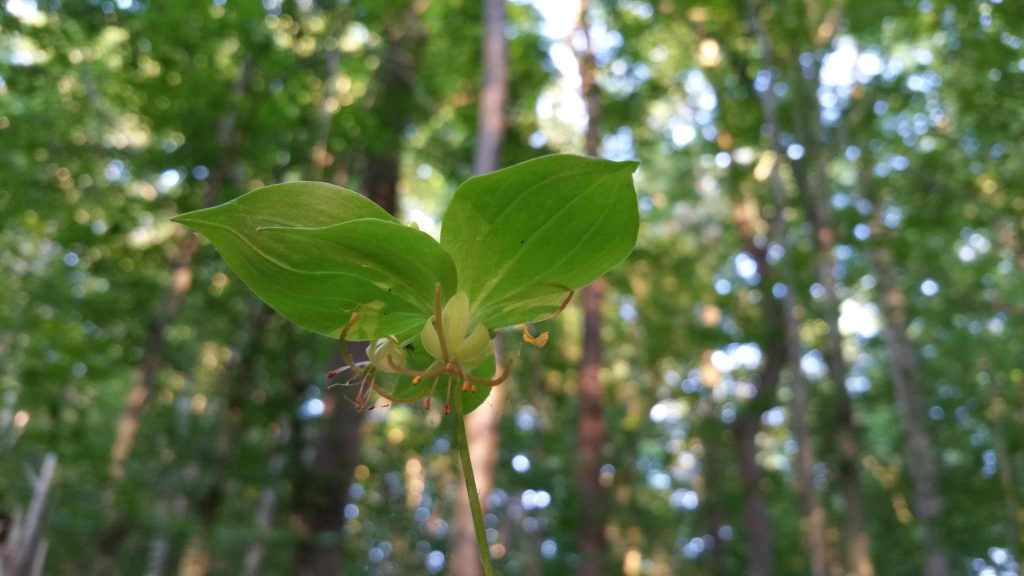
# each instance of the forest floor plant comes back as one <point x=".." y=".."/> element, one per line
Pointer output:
<point x="515" y="245"/>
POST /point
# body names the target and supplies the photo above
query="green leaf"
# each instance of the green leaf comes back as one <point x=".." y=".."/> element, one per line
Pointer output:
<point x="298" y="204"/>
<point x="524" y="236"/>
<point x="318" y="277"/>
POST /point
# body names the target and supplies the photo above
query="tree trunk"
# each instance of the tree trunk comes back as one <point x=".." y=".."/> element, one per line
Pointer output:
<point x="181" y="276"/>
<point x="998" y="416"/>
<point x="266" y="505"/>
<point x="591" y="428"/>
<point x="336" y="452"/>
<point x="321" y="500"/>
<point x="760" y="542"/>
<point x="814" y="190"/>
<point x="590" y="436"/>
<point x="22" y="549"/>
<point x="761" y="561"/>
<point x="482" y="425"/>
<point x="857" y="541"/>
<point x="714" y="508"/>
<point x="181" y="282"/>
<point x="918" y="449"/>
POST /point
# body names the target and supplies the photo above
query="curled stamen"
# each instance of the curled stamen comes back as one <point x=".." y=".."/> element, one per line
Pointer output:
<point x="338" y="371"/>
<point x="538" y="341"/>
<point x="417" y="375"/>
<point x="565" y="304"/>
<point x="494" y="381"/>
<point x="343" y="338"/>
<point x="396" y="398"/>
<point x="439" y="324"/>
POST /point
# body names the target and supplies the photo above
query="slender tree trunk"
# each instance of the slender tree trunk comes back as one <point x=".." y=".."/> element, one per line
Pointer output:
<point x="1007" y="478"/>
<point x="266" y="504"/>
<point x="857" y="541"/>
<point x="760" y="541"/>
<point x="391" y="104"/>
<point x="918" y="448"/>
<point x="590" y="436"/>
<point x="591" y="427"/>
<point x="482" y="425"/>
<point x="714" y="480"/>
<point x="320" y="510"/>
<point x="812" y="522"/>
<point x="336" y="452"/>
<point x="22" y="549"/>
<point x="814" y="190"/>
<point x="181" y="282"/>
<point x="181" y="276"/>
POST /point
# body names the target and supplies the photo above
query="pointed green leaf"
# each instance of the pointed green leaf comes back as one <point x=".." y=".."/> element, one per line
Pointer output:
<point x="300" y="204"/>
<point x="385" y="271"/>
<point x="522" y="237"/>
<point x="365" y="262"/>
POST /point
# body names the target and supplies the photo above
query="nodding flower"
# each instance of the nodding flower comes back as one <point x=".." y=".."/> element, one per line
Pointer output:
<point x="452" y="336"/>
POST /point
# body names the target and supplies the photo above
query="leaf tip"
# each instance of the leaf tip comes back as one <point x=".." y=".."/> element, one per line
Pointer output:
<point x="629" y="165"/>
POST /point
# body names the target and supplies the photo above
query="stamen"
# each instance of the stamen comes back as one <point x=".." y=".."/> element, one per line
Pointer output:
<point x="495" y="381"/>
<point x="394" y="398"/>
<point x="565" y="304"/>
<point x="344" y="349"/>
<point x="428" y="373"/>
<point x="538" y="341"/>
<point x="439" y="324"/>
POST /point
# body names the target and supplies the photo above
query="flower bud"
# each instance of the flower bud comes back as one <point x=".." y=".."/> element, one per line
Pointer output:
<point x="467" y="341"/>
<point x="380" y="350"/>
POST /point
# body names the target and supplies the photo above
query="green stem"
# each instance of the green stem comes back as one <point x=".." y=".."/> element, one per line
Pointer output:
<point x="471" y="491"/>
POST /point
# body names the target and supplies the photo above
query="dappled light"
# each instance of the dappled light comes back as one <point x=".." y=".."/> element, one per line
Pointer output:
<point x="811" y="362"/>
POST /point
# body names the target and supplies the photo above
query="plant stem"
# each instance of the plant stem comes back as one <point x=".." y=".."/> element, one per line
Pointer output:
<point x="470" y="478"/>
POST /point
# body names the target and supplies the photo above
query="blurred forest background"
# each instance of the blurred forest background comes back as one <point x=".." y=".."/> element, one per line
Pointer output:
<point x="810" y="365"/>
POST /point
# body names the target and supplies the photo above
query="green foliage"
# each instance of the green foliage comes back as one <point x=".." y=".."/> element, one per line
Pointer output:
<point x="514" y="245"/>
<point x="523" y="237"/>
<point x="114" y="116"/>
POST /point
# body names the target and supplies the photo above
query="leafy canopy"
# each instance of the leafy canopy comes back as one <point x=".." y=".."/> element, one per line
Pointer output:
<point x="514" y="245"/>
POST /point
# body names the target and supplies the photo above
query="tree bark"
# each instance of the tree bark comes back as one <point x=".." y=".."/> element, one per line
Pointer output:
<point x="591" y="427"/>
<point x="336" y="451"/>
<point x="181" y="282"/>
<point x="813" y="187"/>
<point x="857" y="541"/>
<point x="181" y="276"/>
<point x="590" y="436"/>
<point x="22" y="549"/>
<point x="812" y="522"/>
<point x="391" y="104"/>
<point x="761" y="561"/>
<point x="483" y="424"/>
<point x="322" y="508"/>
<point x="918" y="448"/>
